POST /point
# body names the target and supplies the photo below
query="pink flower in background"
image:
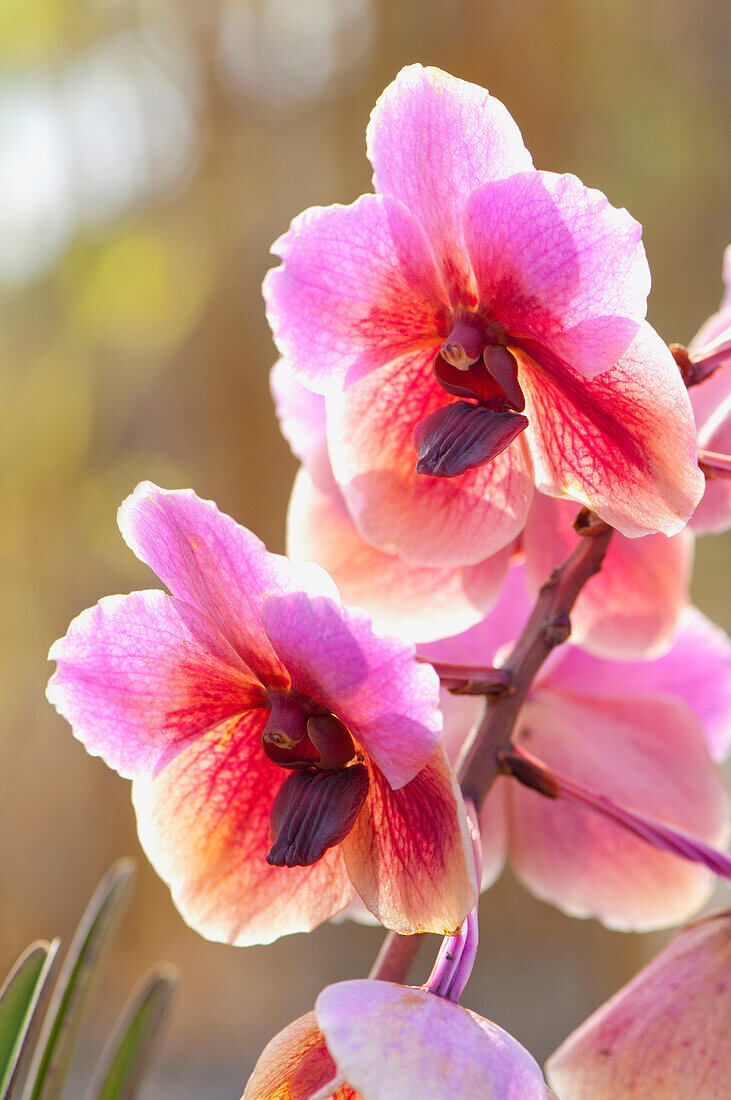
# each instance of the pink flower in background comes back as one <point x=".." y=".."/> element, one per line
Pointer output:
<point x="711" y="401"/>
<point x="665" y="1035"/>
<point x="284" y="757"/>
<point x="369" y="1040"/>
<point x="522" y="295"/>
<point x="643" y="734"/>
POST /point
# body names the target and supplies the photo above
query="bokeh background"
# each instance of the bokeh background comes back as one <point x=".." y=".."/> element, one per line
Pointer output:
<point x="149" y="154"/>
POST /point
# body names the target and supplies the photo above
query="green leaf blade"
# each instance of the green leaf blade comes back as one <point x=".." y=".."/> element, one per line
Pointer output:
<point x="135" y="1039"/>
<point x="70" y="997"/>
<point x="20" y="1000"/>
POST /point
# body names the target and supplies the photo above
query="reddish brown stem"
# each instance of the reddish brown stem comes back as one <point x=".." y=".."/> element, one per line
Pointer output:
<point x="548" y="626"/>
<point x="703" y="363"/>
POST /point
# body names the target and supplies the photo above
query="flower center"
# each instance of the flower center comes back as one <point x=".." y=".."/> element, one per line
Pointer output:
<point x="316" y="806"/>
<point x="472" y="363"/>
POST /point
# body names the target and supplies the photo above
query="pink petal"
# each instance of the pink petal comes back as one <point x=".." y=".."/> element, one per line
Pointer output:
<point x="410" y="855"/>
<point x="204" y="824"/>
<point x="432" y="141"/>
<point x="372" y="682"/>
<point x="357" y="289"/>
<point x="416" y="602"/>
<point x="398" y="1043"/>
<point x="424" y="520"/>
<point x="713" y="514"/>
<point x="482" y="644"/>
<point x="140" y="676"/>
<point x="665" y="1034"/>
<point x="301" y="412"/>
<point x="644" y="753"/>
<point x="206" y="559"/>
<point x="623" y="443"/>
<point x="631" y="607"/>
<point x="556" y="263"/>
<point x="696" y="672"/>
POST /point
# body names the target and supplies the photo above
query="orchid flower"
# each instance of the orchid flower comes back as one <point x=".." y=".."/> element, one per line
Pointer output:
<point x="642" y="735"/>
<point x="477" y="328"/>
<point x="284" y="757"/>
<point x="664" y="1035"/>
<point x="372" y="1040"/>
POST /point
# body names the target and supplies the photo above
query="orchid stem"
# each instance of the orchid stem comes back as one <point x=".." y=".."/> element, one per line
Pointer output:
<point x="396" y="957"/>
<point x="548" y="626"/>
<point x="469" y="680"/>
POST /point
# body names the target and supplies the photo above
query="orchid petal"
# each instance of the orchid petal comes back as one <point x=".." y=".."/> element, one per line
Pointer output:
<point x="648" y="755"/>
<point x="206" y="559"/>
<point x="624" y="443"/>
<point x="424" y="520"/>
<point x="432" y="141"/>
<point x="397" y="1043"/>
<point x="358" y="288"/>
<point x="665" y="1034"/>
<point x="130" y="675"/>
<point x="301" y="412"/>
<point x="410" y="854"/>
<point x="416" y="602"/>
<point x="630" y="609"/>
<point x="295" y="1064"/>
<point x="482" y="644"/>
<point x="204" y="824"/>
<point x="556" y="263"/>
<point x="461" y="436"/>
<point x="696" y="671"/>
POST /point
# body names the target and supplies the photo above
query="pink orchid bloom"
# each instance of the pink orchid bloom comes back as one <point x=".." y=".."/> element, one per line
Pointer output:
<point x="663" y="1036"/>
<point x="711" y="400"/>
<point x="371" y="1040"/>
<point x="469" y="275"/>
<point x="643" y="734"/>
<point x="630" y="609"/>
<point x="284" y="757"/>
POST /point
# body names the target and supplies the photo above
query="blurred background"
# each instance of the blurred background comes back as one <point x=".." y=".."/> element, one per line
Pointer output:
<point x="149" y="154"/>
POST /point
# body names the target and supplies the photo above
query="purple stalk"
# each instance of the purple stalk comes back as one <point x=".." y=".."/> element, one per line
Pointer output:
<point x="533" y="773"/>
<point x="457" y="954"/>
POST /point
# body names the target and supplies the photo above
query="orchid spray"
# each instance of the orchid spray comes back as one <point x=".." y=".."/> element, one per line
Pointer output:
<point x="481" y="645"/>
